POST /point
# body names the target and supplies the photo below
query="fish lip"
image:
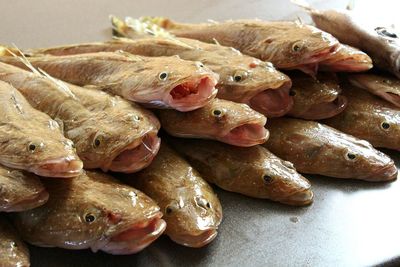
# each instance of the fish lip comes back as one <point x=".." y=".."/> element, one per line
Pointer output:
<point x="384" y="174"/>
<point x="204" y="238"/>
<point x="36" y="200"/>
<point x="45" y="168"/>
<point x="302" y="198"/>
<point x="321" y="55"/>
<point x="338" y="105"/>
<point x="248" y="142"/>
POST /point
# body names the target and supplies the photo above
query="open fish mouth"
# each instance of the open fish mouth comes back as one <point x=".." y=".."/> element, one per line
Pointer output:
<point x="193" y="94"/>
<point x="392" y="98"/>
<point x="137" y="156"/>
<point x="62" y="168"/>
<point x="326" y="110"/>
<point x="196" y="241"/>
<point x="245" y="135"/>
<point x="28" y="203"/>
<point x="136" y="237"/>
<point x="324" y="54"/>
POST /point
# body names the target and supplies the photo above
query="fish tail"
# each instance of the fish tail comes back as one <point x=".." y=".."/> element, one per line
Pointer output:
<point x="119" y="28"/>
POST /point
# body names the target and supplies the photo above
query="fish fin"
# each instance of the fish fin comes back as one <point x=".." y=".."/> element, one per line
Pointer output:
<point x="60" y="124"/>
<point x="119" y="27"/>
<point x="304" y="4"/>
<point x="350" y="5"/>
<point x="60" y="84"/>
<point x="212" y="21"/>
<point x="216" y="41"/>
<point x="5" y="50"/>
<point x="105" y="87"/>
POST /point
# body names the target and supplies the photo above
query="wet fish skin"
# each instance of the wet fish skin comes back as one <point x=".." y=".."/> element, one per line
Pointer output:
<point x="30" y="140"/>
<point x="192" y="210"/>
<point x="20" y="191"/>
<point x="221" y="120"/>
<point x="13" y="252"/>
<point x="369" y="118"/>
<point x="92" y="211"/>
<point x="251" y="171"/>
<point x="159" y="82"/>
<point x="101" y="126"/>
<point x="315" y="148"/>
<point x="316" y="99"/>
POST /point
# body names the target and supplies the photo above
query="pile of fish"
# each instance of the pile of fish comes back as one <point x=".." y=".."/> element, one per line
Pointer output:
<point x="72" y="113"/>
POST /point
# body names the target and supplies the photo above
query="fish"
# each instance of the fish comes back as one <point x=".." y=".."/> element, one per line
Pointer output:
<point x="229" y="122"/>
<point x="287" y="44"/>
<point x="13" y="251"/>
<point x="347" y="59"/>
<point x="384" y="86"/>
<point x="316" y="99"/>
<point x="250" y="171"/>
<point x="191" y="209"/>
<point x="382" y="44"/>
<point x="30" y="140"/>
<point x="92" y="211"/>
<point x="157" y="82"/>
<point x="242" y="78"/>
<point x="370" y="118"/>
<point x="108" y="132"/>
<point x="315" y="148"/>
<point x="20" y="191"/>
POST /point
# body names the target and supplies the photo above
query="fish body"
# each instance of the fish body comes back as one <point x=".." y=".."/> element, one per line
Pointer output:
<point x="20" y="191"/>
<point x="369" y="118"/>
<point x="315" y="148"/>
<point x="316" y="99"/>
<point x="222" y="120"/>
<point x="92" y="211"/>
<point x="30" y="140"/>
<point x="192" y="210"/>
<point x="251" y="171"/>
<point x="108" y="132"/>
<point x="13" y="252"/>
<point x="160" y="82"/>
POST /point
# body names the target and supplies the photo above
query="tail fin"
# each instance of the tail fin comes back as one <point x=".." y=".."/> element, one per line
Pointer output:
<point x="119" y="28"/>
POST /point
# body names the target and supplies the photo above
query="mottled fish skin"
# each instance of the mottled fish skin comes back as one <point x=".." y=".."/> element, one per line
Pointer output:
<point x="103" y="128"/>
<point x="369" y="117"/>
<point x="316" y="99"/>
<point x="251" y="171"/>
<point x="20" y="191"/>
<point x="159" y="82"/>
<point x="222" y="120"/>
<point x="347" y="59"/>
<point x="30" y="140"/>
<point x="192" y="209"/>
<point x="315" y="148"/>
<point x="287" y="44"/>
<point x="92" y="211"/>
<point x="384" y="86"/>
<point x="13" y="252"/>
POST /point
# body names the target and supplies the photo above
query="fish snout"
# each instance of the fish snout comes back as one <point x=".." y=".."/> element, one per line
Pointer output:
<point x="387" y="173"/>
<point x="63" y="168"/>
<point x="300" y="198"/>
<point x="196" y="240"/>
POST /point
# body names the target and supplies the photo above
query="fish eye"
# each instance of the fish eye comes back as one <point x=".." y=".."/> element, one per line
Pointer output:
<point x="292" y="92"/>
<point x="385" y="125"/>
<point x="137" y="118"/>
<point x="89" y="218"/>
<point x="351" y="156"/>
<point x="98" y="140"/>
<point x="202" y="202"/>
<point x="217" y="113"/>
<point x="32" y="147"/>
<point x="174" y="206"/>
<point x="199" y="64"/>
<point x="163" y="76"/>
<point x="240" y="76"/>
<point x="268" y="179"/>
<point x="296" y="47"/>
<point x="14" y="244"/>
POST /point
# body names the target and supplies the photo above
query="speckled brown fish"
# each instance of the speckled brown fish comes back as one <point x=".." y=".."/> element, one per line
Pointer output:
<point x="316" y="99"/>
<point x="20" y="191"/>
<point x="385" y="86"/>
<point x="251" y="171"/>
<point x="287" y="44"/>
<point x="13" y="252"/>
<point x="192" y="210"/>
<point x="92" y="211"/>
<point x="369" y="117"/>
<point x="160" y="82"/>
<point x="30" y="140"/>
<point x="108" y="132"/>
<point x="319" y="149"/>
<point x="222" y="120"/>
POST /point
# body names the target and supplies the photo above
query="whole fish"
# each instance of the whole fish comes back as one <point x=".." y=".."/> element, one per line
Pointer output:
<point x="316" y="99"/>
<point x="13" y="252"/>
<point x="251" y="171"/>
<point x="92" y="211"/>
<point x="385" y="86"/>
<point x="347" y="59"/>
<point x="287" y="44"/>
<point x="192" y="210"/>
<point x="30" y="140"/>
<point x="380" y="43"/>
<point x="20" y="191"/>
<point x="159" y="82"/>
<point x="108" y="132"/>
<point x="370" y="118"/>
<point x="222" y="120"/>
<point x="319" y="149"/>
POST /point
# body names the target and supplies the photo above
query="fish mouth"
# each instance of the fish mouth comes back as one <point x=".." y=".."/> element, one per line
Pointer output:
<point x="385" y="174"/>
<point x="136" y="156"/>
<point x="346" y="66"/>
<point x="63" y="168"/>
<point x="31" y="202"/>
<point x="136" y="237"/>
<point x="301" y="198"/>
<point x="246" y="135"/>
<point x="325" y="110"/>
<point x="196" y="241"/>
<point x="321" y="55"/>
<point x="273" y="103"/>
<point x="193" y="94"/>
<point x="392" y="98"/>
